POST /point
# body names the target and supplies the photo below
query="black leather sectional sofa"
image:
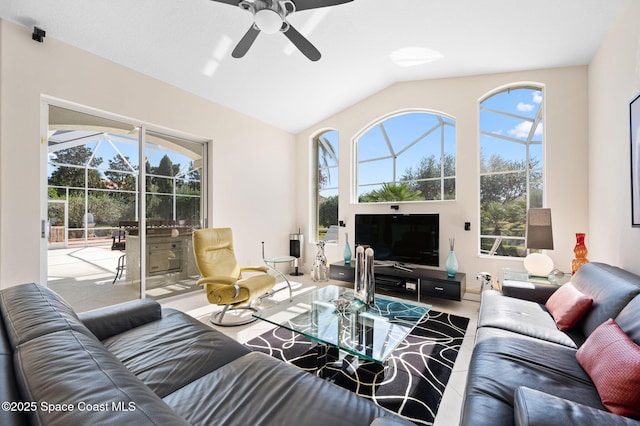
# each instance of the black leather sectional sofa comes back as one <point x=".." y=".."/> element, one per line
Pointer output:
<point x="524" y="370"/>
<point x="138" y="364"/>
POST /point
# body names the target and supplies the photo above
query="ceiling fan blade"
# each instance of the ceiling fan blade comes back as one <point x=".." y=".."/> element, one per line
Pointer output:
<point x="315" y="4"/>
<point x="304" y="45"/>
<point x="245" y="43"/>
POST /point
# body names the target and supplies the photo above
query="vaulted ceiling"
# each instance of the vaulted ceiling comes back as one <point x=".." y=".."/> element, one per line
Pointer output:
<point x="366" y="45"/>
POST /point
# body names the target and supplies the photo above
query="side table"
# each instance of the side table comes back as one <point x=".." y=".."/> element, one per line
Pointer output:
<point x="272" y="263"/>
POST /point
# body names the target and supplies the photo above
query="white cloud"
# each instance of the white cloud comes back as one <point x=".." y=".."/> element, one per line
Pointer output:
<point x="522" y="130"/>
<point x="537" y="97"/>
<point x="525" y="107"/>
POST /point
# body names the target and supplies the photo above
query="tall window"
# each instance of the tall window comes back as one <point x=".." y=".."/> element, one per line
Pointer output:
<point x="511" y="165"/>
<point x="407" y="157"/>
<point x="326" y="159"/>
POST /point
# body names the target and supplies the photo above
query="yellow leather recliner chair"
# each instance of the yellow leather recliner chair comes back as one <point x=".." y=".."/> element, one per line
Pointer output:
<point x="222" y="276"/>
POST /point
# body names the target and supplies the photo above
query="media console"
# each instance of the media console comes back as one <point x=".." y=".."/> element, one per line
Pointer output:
<point x="414" y="283"/>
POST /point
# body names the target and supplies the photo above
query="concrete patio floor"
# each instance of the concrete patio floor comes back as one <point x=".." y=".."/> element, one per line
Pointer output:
<point x="84" y="277"/>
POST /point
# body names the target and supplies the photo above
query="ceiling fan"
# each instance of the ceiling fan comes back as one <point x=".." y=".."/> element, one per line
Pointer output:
<point x="270" y="16"/>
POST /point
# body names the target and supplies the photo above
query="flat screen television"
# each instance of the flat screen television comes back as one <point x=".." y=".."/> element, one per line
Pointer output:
<point x="403" y="238"/>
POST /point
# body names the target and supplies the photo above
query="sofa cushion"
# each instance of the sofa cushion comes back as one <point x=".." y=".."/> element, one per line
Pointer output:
<point x="567" y="306"/>
<point x="8" y="387"/>
<point x="172" y="352"/>
<point x="610" y="288"/>
<point x="502" y="361"/>
<point x="69" y="367"/>
<point x="257" y="389"/>
<point x="535" y="408"/>
<point x="629" y="320"/>
<point x="523" y="317"/>
<point x="612" y="360"/>
<point x="32" y="310"/>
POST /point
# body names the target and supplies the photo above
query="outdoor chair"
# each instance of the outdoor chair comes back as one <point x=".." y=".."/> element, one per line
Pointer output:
<point x="494" y="248"/>
<point x="120" y="243"/>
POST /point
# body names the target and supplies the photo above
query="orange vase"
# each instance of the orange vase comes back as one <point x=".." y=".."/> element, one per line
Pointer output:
<point x="580" y="251"/>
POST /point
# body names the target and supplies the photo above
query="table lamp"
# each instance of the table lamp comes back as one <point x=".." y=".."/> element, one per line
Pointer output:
<point x="539" y="236"/>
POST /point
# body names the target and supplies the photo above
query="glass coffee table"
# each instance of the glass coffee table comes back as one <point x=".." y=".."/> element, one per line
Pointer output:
<point x="331" y="317"/>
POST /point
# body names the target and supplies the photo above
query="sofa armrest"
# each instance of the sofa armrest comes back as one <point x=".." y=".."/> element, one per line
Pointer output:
<point x="526" y="290"/>
<point x="535" y="408"/>
<point x="112" y="320"/>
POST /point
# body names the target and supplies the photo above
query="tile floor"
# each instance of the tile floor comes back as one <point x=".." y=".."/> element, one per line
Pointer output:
<point x="195" y="304"/>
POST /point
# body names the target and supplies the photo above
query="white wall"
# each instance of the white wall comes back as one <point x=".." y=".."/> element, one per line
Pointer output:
<point x="566" y="163"/>
<point x="251" y="195"/>
<point x="614" y="80"/>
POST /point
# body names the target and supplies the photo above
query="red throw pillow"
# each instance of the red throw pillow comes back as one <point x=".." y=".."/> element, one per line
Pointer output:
<point x="567" y="305"/>
<point x="612" y="360"/>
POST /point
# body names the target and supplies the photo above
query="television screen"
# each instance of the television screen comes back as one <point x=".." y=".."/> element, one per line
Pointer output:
<point x="400" y="238"/>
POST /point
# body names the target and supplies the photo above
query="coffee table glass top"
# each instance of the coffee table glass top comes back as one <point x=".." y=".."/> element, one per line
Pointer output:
<point x="370" y="333"/>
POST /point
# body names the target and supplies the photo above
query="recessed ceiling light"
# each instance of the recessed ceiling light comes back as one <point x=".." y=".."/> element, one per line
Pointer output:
<point x="412" y="56"/>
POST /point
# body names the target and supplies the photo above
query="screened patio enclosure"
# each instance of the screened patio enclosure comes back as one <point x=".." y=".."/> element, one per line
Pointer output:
<point x="122" y="202"/>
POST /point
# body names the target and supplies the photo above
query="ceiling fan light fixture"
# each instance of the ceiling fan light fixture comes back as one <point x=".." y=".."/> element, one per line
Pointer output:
<point x="268" y="21"/>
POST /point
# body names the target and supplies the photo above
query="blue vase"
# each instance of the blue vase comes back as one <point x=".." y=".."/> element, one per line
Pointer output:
<point x="452" y="264"/>
<point x="347" y="250"/>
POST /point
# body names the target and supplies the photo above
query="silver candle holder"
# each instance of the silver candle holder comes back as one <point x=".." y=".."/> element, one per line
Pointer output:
<point x="365" y="282"/>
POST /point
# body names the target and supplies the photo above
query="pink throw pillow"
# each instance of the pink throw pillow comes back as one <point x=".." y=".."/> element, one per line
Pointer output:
<point x="612" y="360"/>
<point x="567" y="305"/>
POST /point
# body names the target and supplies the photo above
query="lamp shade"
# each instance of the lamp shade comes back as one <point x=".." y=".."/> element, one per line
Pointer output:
<point x="539" y="233"/>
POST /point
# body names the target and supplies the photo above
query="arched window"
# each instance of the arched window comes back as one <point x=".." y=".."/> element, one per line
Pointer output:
<point x="511" y="167"/>
<point x="407" y="157"/>
<point x="325" y="146"/>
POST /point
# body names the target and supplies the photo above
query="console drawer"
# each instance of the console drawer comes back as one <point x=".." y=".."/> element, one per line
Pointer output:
<point x="440" y="289"/>
<point x="342" y="272"/>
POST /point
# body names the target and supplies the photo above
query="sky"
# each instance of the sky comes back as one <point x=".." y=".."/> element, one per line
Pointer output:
<point x="521" y="102"/>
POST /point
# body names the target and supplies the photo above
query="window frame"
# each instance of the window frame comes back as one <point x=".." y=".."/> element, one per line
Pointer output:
<point x="528" y="170"/>
<point x="315" y="182"/>
<point x="444" y="119"/>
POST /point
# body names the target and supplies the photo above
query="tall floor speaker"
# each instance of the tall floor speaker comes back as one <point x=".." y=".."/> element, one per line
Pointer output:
<point x="295" y="250"/>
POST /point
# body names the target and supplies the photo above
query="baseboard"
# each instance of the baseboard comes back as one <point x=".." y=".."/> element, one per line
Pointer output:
<point x="473" y="295"/>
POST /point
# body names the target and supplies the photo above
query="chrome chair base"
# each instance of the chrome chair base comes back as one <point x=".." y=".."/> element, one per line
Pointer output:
<point x="232" y="317"/>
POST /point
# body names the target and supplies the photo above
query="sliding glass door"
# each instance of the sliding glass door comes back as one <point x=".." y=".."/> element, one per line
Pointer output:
<point x="173" y="200"/>
<point x="107" y="243"/>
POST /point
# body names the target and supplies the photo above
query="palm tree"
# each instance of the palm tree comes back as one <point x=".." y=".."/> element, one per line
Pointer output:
<point x="327" y="157"/>
<point x="395" y="191"/>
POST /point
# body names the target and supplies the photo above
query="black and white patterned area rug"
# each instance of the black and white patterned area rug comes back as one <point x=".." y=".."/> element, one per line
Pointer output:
<point x="414" y="377"/>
